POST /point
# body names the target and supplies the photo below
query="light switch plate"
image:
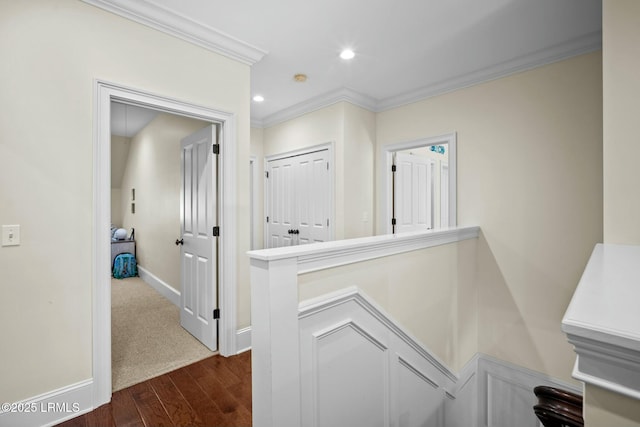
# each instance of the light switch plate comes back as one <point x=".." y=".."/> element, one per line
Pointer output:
<point x="10" y="235"/>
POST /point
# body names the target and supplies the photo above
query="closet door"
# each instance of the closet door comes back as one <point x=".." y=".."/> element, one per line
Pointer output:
<point x="312" y="201"/>
<point x="280" y="202"/>
<point x="298" y="199"/>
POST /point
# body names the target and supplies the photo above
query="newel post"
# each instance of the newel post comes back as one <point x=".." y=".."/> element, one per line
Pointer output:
<point x="275" y="343"/>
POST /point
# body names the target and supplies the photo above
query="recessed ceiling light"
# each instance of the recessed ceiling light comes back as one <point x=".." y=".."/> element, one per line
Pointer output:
<point x="258" y="98"/>
<point x="300" y="78"/>
<point x="347" y="54"/>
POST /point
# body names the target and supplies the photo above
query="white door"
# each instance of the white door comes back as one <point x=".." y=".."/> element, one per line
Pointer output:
<point x="280" y="203"/>
<point x="413" y="193"/>
<point x="312" y="197"/>
<point x="299" y="199"/>
<point x="198" y="214"/>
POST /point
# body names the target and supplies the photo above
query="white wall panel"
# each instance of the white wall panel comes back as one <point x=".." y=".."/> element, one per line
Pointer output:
<point x="360" y="368"/>
<point x="351" y="378"/>
<point x="420" y="400"/>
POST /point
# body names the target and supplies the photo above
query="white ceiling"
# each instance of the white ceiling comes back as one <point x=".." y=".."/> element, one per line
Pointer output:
<point x="406" y="50"/>
<point x="128" y="120"/>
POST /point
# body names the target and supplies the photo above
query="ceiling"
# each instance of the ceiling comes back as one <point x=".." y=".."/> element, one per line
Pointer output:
<point x="405" y="50"/>
<point x="128" y="120"/>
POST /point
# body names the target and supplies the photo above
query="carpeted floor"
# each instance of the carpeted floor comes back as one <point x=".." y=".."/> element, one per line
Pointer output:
<point x="146" y="337"/>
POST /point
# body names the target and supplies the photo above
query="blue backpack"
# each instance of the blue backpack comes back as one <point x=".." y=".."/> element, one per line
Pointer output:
<point x="125" y="266"/>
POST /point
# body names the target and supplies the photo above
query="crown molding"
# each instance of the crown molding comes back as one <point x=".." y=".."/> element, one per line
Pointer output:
<point x="317" y="103"/>
<point x="169" y="22"/>
<point x="585" y="44"/>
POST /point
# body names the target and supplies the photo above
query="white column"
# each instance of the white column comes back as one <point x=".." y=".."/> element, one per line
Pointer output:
<point x="275" y="343"/>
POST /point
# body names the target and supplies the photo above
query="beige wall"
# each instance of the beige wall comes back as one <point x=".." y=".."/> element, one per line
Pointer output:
<point x="621" y="148"/>
<point x="359" y="177"/>
<point x="621" y="151"/>
<point x="116" y="207"/>
<point x="352" y="131"/>
<point x="52" y="52"/>
<point x="606" y="408"/>
<point x="430" y="292"/>
<point x="257" y="152"/>
<point x="153" y="169"/>
<point x="119" y="153"/>
<point x="530" y="175"/>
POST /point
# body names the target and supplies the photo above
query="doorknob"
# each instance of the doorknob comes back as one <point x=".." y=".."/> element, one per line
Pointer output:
<point x="179" y="242"/>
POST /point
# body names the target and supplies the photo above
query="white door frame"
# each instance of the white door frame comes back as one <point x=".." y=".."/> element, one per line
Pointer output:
<point x="104" y="93"/>
<point x="385" y="181"/>
<point x="254" y="182"/>
<point x="332" y="176"/>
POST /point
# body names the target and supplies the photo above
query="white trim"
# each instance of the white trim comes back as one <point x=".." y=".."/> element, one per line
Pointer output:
<point x="316" y="103"/>
<point x="353" y="294"/>
<point x="581" y="45"/>
<point x="254" y="213"/>
<point x="182" y="27"/>
<point x="159" y="285"/>
<point x="602" y="320"/>
<point x="301" y="151"/>
<point x="170" y="22"/>
<point x="481" y="394"/>
<point x="243" y="340"/>
<point x="385" y="182"/>
<point x="516" y="386"/>
<point x="72" y="401"/>
<point x="578" y="46"/>
<point x="321" y="256"/>
<point x="104" y="93"/>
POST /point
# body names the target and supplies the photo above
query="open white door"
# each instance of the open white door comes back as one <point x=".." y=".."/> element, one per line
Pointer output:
<point x="198" y="215"/>
<point x="413" y="193"/>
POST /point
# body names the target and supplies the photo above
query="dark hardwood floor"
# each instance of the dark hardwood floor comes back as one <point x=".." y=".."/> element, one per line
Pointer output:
<point x="215" y="392"/>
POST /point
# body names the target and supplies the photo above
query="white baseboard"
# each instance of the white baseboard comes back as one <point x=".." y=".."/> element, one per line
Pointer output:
<point x="243" y="340"/>
<point x="50" y="408"/>
<point x="159" y="285"/>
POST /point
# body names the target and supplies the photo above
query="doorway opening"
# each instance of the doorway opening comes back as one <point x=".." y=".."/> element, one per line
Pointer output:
<point x="105" y="94"/>
<point x="418" y="183"/>
<point x="153" y="331"/>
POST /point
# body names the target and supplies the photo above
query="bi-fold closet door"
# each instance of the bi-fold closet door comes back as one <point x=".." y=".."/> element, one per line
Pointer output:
<point x="298" y="199"/>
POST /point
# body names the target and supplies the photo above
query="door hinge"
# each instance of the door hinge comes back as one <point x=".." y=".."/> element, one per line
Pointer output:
<point x="393" y="168"/>
<point x="216" y="313"/>
<point x="266" y="174"/>
<point x="267" y="219"/>
<point x="327" y="222"/>
<point x="393" y="221"/>
<point x="327" y="165"/>
<point x="216" y="231"/>
<point x="216" y="148"/>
